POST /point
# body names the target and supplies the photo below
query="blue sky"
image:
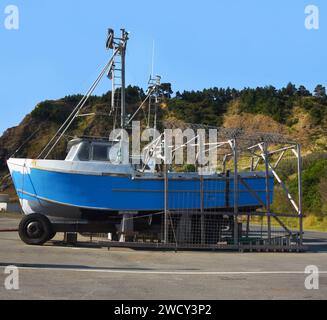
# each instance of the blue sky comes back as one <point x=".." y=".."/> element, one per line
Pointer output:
<point x="59" y="47"/>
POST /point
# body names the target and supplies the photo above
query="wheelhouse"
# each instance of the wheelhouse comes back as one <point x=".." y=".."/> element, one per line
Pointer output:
<point x="80" y="149"/>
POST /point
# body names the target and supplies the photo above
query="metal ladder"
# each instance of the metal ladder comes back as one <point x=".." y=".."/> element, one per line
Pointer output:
<point x="154" y="101"/>
<point x="115" y="76"/>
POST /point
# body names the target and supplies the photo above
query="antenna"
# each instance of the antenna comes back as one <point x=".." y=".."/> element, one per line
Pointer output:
<point x="153" y="52"/>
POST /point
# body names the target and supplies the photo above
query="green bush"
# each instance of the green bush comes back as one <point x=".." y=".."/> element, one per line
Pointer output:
<point x="52" y="111"/>
<point x="312" y="176"/>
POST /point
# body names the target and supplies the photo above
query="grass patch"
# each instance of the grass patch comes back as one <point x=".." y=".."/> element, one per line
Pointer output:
<point x="313" y="223"/>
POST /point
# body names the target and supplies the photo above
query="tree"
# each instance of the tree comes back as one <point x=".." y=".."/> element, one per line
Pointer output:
<point x="134" y="94"/>
<point x="290" y="90"/>
<point x="303" y="92"/>
<point x="179" y="95"/>
<point x="166" y="90"/>
<point x="320" y="91"/>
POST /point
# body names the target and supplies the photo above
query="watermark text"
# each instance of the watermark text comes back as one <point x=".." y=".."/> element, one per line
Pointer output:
<point x="12" y="278"/>
<point x="312" y="280"/>
<point x="11" y="21"/>
<point x="311" y="21"/>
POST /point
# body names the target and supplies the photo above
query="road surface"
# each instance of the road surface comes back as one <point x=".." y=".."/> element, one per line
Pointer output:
<point x="57" y="272"/>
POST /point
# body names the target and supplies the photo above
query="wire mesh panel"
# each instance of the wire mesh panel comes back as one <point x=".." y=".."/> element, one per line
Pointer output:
<point x="199" y="230"/>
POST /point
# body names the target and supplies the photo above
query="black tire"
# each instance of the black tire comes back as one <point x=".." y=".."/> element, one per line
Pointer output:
<point x="35" y="229"/>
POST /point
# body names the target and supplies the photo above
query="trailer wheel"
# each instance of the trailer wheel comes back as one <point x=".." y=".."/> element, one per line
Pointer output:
<point x="35" y="229"/>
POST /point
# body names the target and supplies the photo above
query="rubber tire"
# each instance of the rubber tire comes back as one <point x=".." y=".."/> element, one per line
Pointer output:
<point x="45" y="226"/>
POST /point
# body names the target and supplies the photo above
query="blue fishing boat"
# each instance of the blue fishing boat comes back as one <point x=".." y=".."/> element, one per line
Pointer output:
<point x="88" y="187"/>
<point x="74" y="189"/>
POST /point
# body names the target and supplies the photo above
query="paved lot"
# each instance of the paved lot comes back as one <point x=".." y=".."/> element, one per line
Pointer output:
<point x="54" y="272"/>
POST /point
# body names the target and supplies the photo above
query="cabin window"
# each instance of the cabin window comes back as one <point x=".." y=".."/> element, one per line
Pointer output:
<point x="84" y="152"/>
<point x="100" y="152"/>
<point x="72" y="153"/>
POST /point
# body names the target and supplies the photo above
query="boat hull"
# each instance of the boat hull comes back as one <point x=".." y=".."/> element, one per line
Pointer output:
<point x="67" y="190"/>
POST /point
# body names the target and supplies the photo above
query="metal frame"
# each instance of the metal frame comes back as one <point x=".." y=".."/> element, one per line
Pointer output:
<point x="260" y="152"/>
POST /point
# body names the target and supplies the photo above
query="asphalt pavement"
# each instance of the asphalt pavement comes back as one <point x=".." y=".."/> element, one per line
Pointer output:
<point x="61" y="272"/>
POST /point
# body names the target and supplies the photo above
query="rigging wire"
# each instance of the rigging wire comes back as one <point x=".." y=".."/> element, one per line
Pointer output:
<point x="28" y="139"/>
<point x="75" y="112"/>
<point x="141" y="106"/>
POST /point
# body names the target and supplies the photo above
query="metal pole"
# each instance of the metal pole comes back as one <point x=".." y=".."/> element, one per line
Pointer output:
<point x="166" y="204"/>
<point x="166" y="183"/>
<point x="235" y="192"/>
<point x="224" y="164"/>
<point x="299" y="164"/>
<point x="267" y="190"/>
<point x="149" y="112"/>
<point x="202" y="209"/>
<point x="113" y="88"/>
<point x="123" y="81"/>
<point x="248" y="226"/>
<point x="252" y="164"/>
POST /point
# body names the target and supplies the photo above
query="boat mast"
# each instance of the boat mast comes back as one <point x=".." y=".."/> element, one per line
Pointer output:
<point x="118" y="81"/>
<point x="123" y="45"/>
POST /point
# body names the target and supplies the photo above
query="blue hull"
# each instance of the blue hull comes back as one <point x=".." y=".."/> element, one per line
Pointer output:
<point x="47" y="190"/>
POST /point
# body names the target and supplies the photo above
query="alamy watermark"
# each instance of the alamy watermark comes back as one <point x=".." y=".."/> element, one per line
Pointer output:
<point x="11" y="281"/>
<point x="311" y="21"/>
<point x="312" y="280"/>
<point x="12" y="278"/>
<point x="173" y="147"/>
<point x="11" y="20"/>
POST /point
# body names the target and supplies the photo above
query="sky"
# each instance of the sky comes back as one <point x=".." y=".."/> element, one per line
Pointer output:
<point x="59" y="47"/>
